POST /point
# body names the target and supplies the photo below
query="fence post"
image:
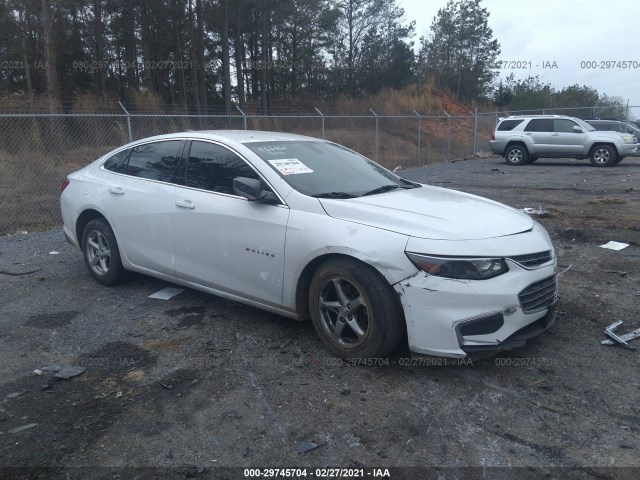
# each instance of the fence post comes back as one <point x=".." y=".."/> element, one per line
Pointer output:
<point x="475" y="132"/>
<point x="128" y="120"/>
<point x="376" y="150"/>
<point x="322" y="115"/>
<point x="448" y="136"/>
<point x="419" y="134"/>
<point x="244" y="116"/>
<point x="626" y="116"/>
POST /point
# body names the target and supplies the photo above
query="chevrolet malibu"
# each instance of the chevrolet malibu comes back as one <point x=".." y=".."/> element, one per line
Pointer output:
<point x="309" y="229"/>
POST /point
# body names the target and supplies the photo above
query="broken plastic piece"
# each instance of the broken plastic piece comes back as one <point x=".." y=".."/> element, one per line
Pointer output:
<point x="533" y="211"/>
<point x="22" y="428"/>
<point x="166" y="293"/>
<point x="614" y="245"/>
<point x="307" y="446"/>
<point x="611" y="329"/>
<point x="16" y="394"/>
<point x="68" y="372"/>
<point x="627" y="337"/>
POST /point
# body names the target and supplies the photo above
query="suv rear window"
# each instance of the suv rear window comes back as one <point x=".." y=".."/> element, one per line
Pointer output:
<point x="507" y="125"/>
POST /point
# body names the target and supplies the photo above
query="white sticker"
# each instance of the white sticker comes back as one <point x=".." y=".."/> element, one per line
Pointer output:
<point x="290" y="166"/>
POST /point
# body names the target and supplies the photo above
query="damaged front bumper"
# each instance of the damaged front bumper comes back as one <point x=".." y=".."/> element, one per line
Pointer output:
<point x="457" y="318"/>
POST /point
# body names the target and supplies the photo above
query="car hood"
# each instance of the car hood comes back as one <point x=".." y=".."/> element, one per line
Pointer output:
<point x="431" y="212"/>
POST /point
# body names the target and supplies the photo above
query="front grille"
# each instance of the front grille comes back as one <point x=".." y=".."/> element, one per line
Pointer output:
<point x="539" y="295"/>
<point x="533" y="260"/>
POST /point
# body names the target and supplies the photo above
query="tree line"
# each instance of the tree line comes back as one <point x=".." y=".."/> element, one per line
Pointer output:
<point x="203" y="53"/>
<point x="209" y="55"/>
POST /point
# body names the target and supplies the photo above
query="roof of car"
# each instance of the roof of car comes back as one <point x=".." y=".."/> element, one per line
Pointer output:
<point x="246" y="136"/>
<point x="537" y="116"/>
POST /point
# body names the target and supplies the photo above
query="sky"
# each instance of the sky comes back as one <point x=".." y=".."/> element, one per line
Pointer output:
<point x="575" y="34"/>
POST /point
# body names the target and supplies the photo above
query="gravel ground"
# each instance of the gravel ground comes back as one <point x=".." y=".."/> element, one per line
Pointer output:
<point x="195" y="384"/>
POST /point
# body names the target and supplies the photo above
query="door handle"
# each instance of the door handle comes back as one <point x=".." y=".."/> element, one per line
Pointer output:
<point x="185" y="204"/>
<point x="555" y="134"/>
<point x="116" y="190"/>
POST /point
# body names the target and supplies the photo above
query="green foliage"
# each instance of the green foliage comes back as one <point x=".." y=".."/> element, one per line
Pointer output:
<point x="460" y="53"/>
<point x="532" y="95"/>
<point x="276" y="49"/>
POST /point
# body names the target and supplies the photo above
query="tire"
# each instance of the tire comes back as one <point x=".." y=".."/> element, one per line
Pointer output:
<point x="516" y="154"/>
<point x="354" y="310"/>
<point x="101" y="253"/>
<point x="618" y="160"/>
<point x="603" y="156"/>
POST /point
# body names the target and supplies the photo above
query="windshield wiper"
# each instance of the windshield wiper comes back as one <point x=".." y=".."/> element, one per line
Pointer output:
<point x="382" y="189"/>
<point x="333" y="195"/>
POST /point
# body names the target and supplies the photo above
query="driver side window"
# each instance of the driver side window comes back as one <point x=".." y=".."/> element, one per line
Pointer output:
<point x="213" y="167"/>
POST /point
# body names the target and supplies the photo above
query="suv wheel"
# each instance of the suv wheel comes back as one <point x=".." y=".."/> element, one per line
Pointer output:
<point x="516" y="154"/>
<point x="603" y="156"/>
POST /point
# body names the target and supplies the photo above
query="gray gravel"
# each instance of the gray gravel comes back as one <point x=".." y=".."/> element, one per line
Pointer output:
<point x="200" y="381"/>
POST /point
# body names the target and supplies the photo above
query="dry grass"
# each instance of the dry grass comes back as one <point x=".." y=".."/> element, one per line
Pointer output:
<point x="36" y="153"/>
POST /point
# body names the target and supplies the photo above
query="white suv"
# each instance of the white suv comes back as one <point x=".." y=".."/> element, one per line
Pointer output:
<point x="524" y="139"/>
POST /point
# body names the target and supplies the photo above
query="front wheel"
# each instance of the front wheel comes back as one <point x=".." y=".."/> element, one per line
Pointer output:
<point x="516" y="155"/>
<point x="603" y="156"/>
<point x="354" y="310"/>
<point x="101" y="254"/>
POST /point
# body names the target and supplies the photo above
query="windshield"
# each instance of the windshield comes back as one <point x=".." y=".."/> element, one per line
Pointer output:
<point x="323" y="169"/>
<point x="585" y="126"/>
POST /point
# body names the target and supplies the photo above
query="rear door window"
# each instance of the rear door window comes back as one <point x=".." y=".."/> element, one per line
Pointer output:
<point x="118" y="162"/>
<point x="213" y="167"/>
<point x="539" y="125"/>
<point x="155" y="161"/>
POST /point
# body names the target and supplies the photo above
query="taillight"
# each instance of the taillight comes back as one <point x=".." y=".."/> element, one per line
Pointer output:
<point x="64" y="184"/>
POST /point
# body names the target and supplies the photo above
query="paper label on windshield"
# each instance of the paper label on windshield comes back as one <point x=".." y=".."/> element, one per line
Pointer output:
<point x="290" y="166"/>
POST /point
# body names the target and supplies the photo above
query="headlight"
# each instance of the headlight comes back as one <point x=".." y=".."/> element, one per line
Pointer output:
<point x="628" y="139"/>
<point x="459" y="267"/>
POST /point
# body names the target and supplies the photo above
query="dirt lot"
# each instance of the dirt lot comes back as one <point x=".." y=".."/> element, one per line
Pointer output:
<point x="196" y="383"/>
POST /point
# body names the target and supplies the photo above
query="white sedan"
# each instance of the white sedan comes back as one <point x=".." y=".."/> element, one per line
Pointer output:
<point x="307" y="228"/>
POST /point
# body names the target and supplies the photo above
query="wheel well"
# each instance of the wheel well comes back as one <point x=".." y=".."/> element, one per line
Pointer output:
<point x="84" y="218"/>
<point x="516" y="142"/>
<point x="302" y="288"/>
<point x="596" y="145"/>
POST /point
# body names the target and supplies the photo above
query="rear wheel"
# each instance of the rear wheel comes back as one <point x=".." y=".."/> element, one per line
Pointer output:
<point x="354" y="310"/>
<point x="603" y="156"/>
<point x="516" y="154"/>
<point x="101" y="254"/>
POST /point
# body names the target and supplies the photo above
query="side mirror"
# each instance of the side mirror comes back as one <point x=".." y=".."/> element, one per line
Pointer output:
<point x="250" y="188"/>
<point x="577" y="129"/>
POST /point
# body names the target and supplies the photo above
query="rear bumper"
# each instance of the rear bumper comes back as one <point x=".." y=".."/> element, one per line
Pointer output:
<point x="496" y="147"/>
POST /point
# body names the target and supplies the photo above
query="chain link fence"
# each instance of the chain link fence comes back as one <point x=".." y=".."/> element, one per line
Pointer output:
<point x="37" y="151"/>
